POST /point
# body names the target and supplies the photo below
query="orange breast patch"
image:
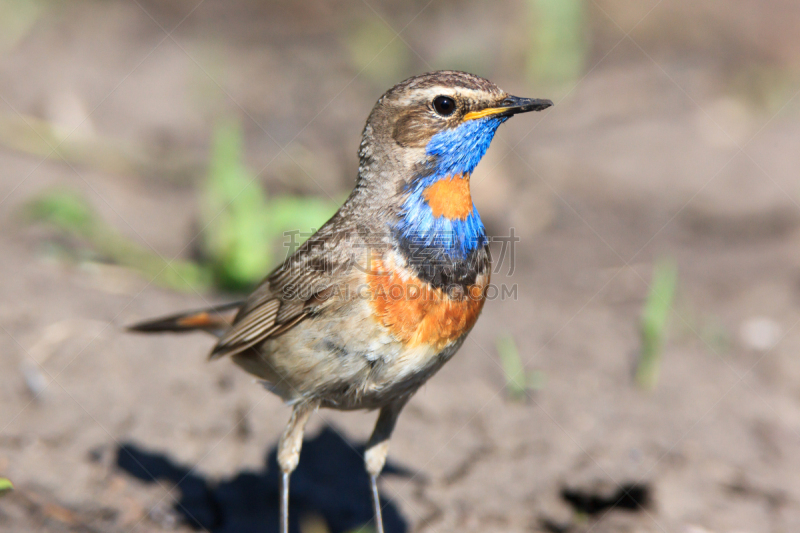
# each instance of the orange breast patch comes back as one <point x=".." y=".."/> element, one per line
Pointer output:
<point x="417" y="314"/>
<point x="449" y="197"/>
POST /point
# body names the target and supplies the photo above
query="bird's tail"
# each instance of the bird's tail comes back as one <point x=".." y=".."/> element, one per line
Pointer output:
<point x="214" y="320"/>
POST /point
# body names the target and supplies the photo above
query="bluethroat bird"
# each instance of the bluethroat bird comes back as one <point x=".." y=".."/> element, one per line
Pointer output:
<point x="383" y="295"/>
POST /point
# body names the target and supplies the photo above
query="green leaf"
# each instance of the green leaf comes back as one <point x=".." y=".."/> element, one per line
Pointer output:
<point x="559" y="45"/>
<point x="652" y="326"/>
<point x="295" y="218"/>
<point x="5" y="486"/>
<point x="242" y="226"/>
<point x="65" y="209"/>
<point x="514" y="371"/>
<point x="301" y="213"/>
<point x="236" y="237"/>
<point x="70" y="213"/>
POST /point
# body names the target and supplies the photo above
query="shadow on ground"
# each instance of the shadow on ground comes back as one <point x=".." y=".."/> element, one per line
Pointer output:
<point x="330" y="483"/>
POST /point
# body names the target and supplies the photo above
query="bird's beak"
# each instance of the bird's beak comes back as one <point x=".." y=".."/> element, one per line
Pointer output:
<point x="510" y="106"/>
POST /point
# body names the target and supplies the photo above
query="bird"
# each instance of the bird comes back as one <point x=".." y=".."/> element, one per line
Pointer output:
<point x="385" y="292"/>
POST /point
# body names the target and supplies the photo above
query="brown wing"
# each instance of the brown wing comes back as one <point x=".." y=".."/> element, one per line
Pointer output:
<point x="292" y="292"/>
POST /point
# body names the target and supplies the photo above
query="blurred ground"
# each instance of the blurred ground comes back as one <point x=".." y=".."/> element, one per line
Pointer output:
<point x="678" y="140"/>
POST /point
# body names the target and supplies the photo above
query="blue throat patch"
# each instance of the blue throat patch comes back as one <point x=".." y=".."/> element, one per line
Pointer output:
<point x="454" y="152"/>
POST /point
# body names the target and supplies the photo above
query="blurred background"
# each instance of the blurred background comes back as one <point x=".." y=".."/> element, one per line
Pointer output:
<point x="643" y="375"/>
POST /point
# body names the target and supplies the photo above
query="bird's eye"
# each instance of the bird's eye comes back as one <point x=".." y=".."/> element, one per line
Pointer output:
<point x="444" y="105"/>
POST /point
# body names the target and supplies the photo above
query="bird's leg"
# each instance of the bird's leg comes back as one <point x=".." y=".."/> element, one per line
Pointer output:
<point x="289" y="453"/>
<point x="377" y="449"/>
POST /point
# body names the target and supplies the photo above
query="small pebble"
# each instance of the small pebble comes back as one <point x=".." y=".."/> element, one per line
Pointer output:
<point x="35" y="381"/>
<point x="760" y="333"/>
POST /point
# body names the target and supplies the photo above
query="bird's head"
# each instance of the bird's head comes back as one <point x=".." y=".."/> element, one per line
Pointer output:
<point x="422" y="141"/>
<point x="439" y="123"/>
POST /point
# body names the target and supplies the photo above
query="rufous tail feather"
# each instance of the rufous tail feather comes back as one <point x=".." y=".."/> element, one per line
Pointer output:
<point x="215" y="320"/>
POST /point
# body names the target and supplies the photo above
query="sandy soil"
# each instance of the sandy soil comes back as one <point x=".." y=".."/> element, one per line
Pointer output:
<point x="644" y="159"/>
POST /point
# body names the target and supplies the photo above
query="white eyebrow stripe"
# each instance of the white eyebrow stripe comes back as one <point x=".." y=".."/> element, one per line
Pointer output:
<point x="416" y="95"/>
